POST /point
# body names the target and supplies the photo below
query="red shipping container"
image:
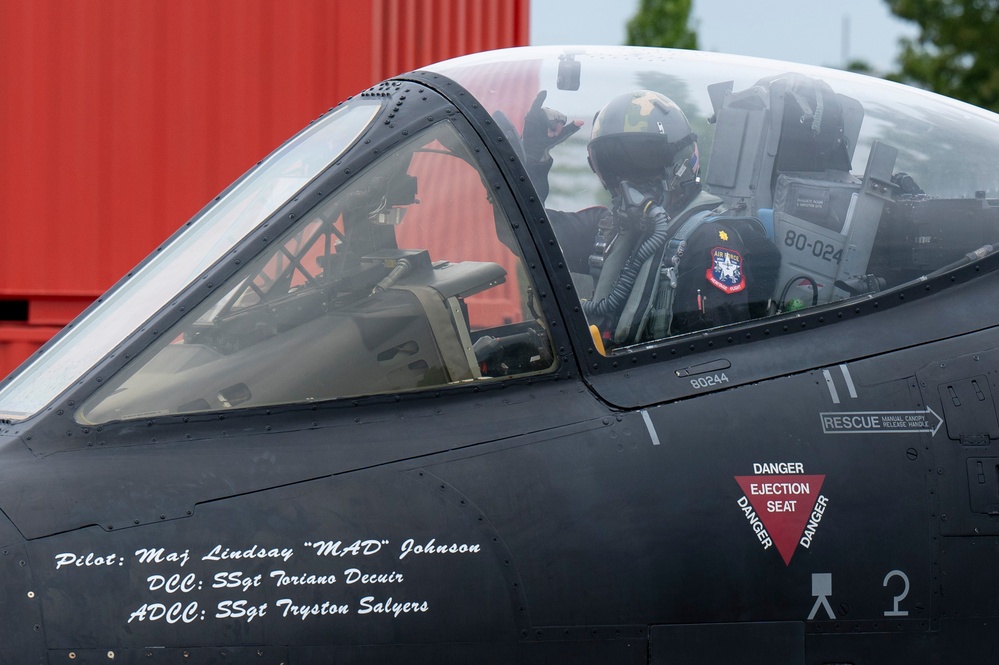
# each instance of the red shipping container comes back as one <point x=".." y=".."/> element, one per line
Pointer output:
<point x="121" y="119"/>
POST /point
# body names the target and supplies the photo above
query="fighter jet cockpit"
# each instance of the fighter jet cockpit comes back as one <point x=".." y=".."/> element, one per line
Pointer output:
<point x="407" y="278"/>
<point x="413" y="237"/>
<point x="857" y="185"/>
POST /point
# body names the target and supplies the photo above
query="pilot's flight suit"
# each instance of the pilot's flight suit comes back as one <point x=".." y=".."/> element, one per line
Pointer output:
<point x="725" y="270"/>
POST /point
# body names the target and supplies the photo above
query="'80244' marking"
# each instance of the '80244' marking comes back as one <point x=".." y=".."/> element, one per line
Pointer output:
<point x="709" y="380"/>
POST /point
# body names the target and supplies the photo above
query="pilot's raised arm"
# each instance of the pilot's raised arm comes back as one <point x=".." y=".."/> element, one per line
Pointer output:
<point x="664" y="257"/>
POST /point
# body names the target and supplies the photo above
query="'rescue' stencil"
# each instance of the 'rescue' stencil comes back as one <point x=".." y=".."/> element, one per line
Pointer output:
<point x="785" y="508"/>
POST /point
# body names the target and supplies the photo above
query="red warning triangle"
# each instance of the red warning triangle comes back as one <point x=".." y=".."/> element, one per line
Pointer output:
<point x="783" y="504"/>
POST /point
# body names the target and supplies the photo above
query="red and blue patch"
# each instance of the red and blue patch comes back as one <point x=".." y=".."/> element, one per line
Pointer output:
<point x="726" y="272"/>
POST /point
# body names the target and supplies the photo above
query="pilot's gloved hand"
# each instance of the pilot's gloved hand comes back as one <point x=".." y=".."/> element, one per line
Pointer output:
<point x="544" y="128"/>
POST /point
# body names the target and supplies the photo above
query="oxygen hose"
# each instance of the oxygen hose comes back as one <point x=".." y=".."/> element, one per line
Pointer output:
<point x="614" y="301"/>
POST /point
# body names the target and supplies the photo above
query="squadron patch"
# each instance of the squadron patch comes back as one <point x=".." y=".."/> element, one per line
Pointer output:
<point x="725" y="272"/>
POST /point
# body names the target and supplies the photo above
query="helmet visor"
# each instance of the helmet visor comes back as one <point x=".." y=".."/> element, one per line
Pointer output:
<point x="633" y="157"/>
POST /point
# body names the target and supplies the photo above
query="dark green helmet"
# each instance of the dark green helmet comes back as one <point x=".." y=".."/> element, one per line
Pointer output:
<point x="641" y="137"/>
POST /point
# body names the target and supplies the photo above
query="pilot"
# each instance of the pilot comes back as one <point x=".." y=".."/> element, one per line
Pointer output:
<point x="666" y="258"/>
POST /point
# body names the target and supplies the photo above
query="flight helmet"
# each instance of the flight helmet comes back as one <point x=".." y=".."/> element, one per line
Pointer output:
<point x="643" y="137"/>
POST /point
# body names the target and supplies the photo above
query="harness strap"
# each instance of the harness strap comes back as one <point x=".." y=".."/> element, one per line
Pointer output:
<point x="661" y="313"/>
<point x="632" y="324"/>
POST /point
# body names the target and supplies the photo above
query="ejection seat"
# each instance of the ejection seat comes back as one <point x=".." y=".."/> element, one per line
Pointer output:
<point x="783" y="149"/>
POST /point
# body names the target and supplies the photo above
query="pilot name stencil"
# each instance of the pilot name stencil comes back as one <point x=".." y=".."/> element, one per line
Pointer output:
<point x="782" y="505"/>
<point x="180" y="597"/>
<point x="220" y="553"/>
<point x="431" y="547"/>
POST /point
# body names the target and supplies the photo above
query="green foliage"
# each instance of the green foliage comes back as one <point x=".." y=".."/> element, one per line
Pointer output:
<point x="859" y="66"/>
<point x="662" y="23"/>
<point x="957" y="50"/>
